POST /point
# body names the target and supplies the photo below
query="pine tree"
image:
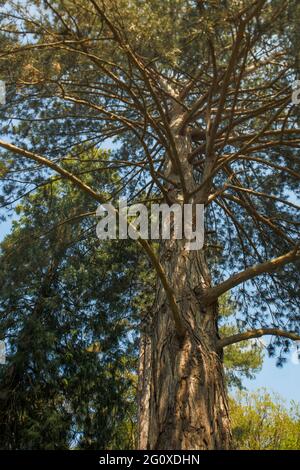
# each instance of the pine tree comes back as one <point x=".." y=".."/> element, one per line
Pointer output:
<point x="197" y="98"/>
<point x="70" y="365"/>
<point x="70" y="376"/>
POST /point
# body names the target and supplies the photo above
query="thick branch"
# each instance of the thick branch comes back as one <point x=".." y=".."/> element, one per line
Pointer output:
<point x="257" y="334"/>
<point x="58" y="169"/>
<point x="98" y="197"/>
<point x="212" y="294"/>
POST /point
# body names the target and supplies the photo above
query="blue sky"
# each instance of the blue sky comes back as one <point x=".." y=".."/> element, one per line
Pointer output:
<point x="285" y="381"/>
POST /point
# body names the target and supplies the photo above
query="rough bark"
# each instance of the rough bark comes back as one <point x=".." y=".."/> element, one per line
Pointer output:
<point x="144" y="379"/>
<point x="183" y="398"/>
<point x="188" y="406"/>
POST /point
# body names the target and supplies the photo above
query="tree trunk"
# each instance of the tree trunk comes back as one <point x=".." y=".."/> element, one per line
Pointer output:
<point x="183" y="398"/>
<point x="144" y="379"/>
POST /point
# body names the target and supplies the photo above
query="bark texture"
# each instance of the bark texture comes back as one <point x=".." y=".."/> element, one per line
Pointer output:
<point x="184" y="403"/>
<point x="183" y="398"/>
<point x="144" y="389"/>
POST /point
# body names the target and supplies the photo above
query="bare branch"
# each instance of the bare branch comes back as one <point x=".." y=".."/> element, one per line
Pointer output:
<point x="212" y="294"/>
<point x="257" y="334"/>
<point x="49" y="164"/>
<point x="98" y="197"/>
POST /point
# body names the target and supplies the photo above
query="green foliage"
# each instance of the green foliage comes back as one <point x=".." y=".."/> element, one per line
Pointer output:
<point x="70" y="307"/>
<point x="90" y="75"/>
<point x="241" y="360"/>
<point x="262" y="421"/>
<point x="68" y="316"/>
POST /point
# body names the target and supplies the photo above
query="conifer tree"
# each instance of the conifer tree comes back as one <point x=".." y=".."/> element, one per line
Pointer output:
<point x="197" y="98"/>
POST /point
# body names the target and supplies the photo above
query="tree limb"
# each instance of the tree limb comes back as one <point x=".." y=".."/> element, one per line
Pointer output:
<point x="98" y="197"/>
<point x="212" y="294"/>
<point x="257" y="334"/>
